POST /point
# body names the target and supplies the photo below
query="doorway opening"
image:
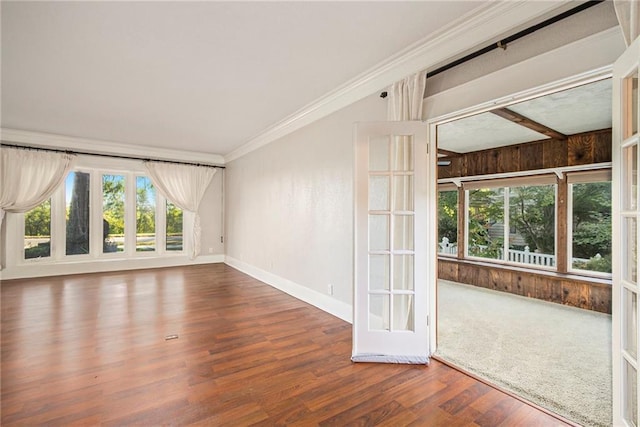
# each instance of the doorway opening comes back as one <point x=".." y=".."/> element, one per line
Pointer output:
<point x="524" y="242"/>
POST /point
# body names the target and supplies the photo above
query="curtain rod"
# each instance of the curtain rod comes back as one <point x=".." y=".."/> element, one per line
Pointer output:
<point x="504" y="42"/>
<point x="115" y="156"/>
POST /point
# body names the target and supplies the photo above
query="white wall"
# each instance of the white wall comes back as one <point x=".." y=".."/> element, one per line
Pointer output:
<point x="211" y="217"/>
<point x="289" y="208"/>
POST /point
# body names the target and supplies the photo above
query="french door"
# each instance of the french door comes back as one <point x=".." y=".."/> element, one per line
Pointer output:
<point x="626" y="209"/>
<point x="391" y="243"/>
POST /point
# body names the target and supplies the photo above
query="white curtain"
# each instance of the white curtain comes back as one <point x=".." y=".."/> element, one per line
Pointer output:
<point x="405" y="103"/>
<point x="184" y="186"/>
<point x="405" y="98"/>
<point x="628" y="14"/>
<point x="28" y="177"/>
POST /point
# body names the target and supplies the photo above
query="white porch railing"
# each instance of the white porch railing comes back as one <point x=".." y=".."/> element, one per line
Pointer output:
<point x="521" y="257"/>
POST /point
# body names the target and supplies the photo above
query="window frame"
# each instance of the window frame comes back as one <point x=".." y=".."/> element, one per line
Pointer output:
<point x="97" y="168"/>
<point x="449" y="188"/>
<point x="561" y="178"/>
<point x="506" y="184"/>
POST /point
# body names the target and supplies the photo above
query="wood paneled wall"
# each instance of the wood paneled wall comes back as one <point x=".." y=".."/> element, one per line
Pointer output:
<point x="561" y="289"/>
<point x="579" y="149"/>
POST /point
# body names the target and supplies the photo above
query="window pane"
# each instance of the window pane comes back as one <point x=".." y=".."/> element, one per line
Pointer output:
<point x="485" y="229"/>
<point x="379" y="312"/>
<point x="532" y="234"/>
<point x="448" y="222"/>
<point x="174" y="228"/>
<point x="403" y="272"/>
<point x="630" y="257"/>
<point x="403" y="193"/>
<point x="113" y="189"/>
<point x="379" y="272"/>
<point x="591" y="230"/>
<point x="145" y="215"/>
<point x="403" y="232"/>
<point x="631" y="394"/>
<point x="378" y="232"/>
<point x="37" y="231"/>
<point x="630" y="322"/>
<point x="403" y="153"/>
<point x="379" y="153"/>
<point x="78" y="206"/>
<point x="403" y="313"/>
<point x="379" y="193"/>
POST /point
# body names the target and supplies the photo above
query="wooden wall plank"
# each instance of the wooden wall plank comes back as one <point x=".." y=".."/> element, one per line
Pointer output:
<point x="554" y="153"/>
<point x="558" y="289"/>
<point x="579" y="149"/>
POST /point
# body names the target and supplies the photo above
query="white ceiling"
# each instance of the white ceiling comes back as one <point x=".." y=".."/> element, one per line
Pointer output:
<point x="576" y="110"/>
<point x="198" y="76"/>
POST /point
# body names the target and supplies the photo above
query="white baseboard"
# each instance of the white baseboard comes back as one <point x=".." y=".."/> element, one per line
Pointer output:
<point x="326" y="303"/>
<point x="35" y="269"/>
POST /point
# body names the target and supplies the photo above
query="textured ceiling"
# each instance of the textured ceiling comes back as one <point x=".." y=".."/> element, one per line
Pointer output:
<point x="200" y="76"/>
<point x="580" y="109"/>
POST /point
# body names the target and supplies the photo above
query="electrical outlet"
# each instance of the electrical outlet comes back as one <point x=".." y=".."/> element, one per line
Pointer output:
<point x="210" y="250"/>
<point x="330" y="289"/>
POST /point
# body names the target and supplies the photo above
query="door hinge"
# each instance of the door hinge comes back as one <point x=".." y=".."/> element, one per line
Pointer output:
<point x="427" y="320"/>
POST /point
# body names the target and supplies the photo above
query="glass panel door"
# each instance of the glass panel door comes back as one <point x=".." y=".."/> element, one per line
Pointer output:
<point x="625" y="237"/>
<point x="390" y="290"/>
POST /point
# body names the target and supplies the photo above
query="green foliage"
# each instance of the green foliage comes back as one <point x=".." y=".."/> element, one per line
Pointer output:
<point x="113" y="193"/>
<point x="592" y="219"/>
<point x="145" y="206"/>
<point x="448" y="215"/>
<point x="37" y="221"/>
<point x="42" y="250"/>
<point x="174" y="219"/>
<point x="532" y="209"/>
<point x="601" y="264"/>
<point x="486" y="209"/>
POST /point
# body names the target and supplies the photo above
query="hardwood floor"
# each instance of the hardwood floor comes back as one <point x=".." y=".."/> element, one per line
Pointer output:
<point x="91" y="349"/>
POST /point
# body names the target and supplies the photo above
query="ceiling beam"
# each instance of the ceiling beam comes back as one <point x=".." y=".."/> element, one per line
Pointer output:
<point x="448" y="153"/>
<point x="521" y="120"/>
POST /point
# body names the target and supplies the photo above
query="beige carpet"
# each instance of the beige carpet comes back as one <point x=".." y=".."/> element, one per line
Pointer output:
<point x="556" y="356"/>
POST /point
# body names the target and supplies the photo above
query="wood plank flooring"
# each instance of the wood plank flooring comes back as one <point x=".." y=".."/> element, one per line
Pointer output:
<point x="90" y="350"/>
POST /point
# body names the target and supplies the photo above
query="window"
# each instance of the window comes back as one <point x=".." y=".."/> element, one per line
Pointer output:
<point x="448" y="222"/>
<point x="37" y="231"/>
<point x="78" y="206"/>
<point x="512" y="222"/>
<point x="145" y="215"/>
<point x="532" y="217"/>
<point x="113" y="201"/>
<point x="590" y="220"/>
<point x="174" y="228"/>
<point x="485" y="222"/>
<point x="99" y="213"/>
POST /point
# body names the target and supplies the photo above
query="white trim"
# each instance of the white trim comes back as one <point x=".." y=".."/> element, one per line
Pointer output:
<point x="103" y="265"/>
<point x="506" y="175"/>
<point x="324" y="302"/>
<point x="49" y="140"/>
<point x="484" y="23"/>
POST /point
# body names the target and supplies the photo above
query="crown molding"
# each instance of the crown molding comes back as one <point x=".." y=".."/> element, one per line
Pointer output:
<point x="484" y="23"/>
<point x="95" y="146"/>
